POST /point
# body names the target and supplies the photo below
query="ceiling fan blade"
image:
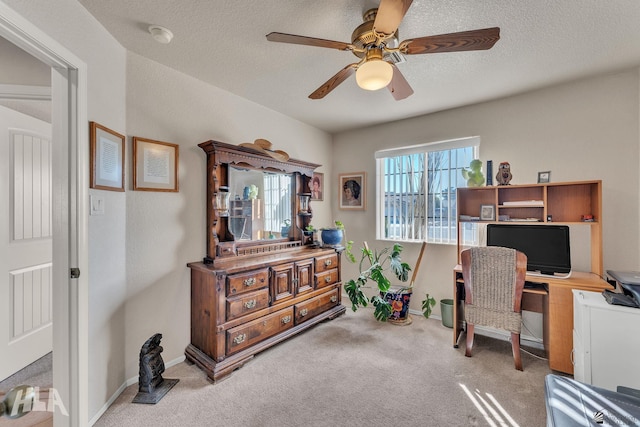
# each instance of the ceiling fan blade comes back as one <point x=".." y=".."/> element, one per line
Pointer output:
<point x="399" y="86"/>
<point x="333" y="82"/>
<point x="308" y="41"/>
<point x="389" y="16"/>
<point x="454" y="42"/>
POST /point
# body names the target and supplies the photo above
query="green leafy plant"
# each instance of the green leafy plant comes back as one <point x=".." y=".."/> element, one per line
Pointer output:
<point x="374" y="266"/>
<point x="427" y="305"/>
<point x="474" y="175"/>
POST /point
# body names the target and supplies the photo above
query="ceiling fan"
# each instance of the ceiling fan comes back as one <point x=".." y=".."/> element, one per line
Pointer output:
<point x="375" y="42"/>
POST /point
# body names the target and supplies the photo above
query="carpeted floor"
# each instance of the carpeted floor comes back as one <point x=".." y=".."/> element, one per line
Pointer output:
<point x="354" y="371"/>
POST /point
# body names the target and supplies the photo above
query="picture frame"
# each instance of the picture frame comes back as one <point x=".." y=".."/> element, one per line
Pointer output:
<point x="352" y="191"/>
<point x="544" y="177"/>
<point x="155" y="165"/>
<point x="107" y="151"/>
<point x="316" y="186"/>
<point x="487" y="213"/>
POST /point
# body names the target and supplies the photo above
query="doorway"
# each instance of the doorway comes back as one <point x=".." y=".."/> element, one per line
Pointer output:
<point x="69" y="212"/>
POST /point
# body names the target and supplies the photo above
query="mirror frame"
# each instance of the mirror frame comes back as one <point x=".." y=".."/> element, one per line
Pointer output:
<point x="220" y="156"/>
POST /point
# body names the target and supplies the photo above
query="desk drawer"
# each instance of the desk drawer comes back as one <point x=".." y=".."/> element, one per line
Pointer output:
<point x="250" y="333"/>
<point x="327" y="262"/>
<point x="314" y="306"/>
<point x="246" y="282"/>
<point x="326" y="278"/>
<point x="247" y="303"/>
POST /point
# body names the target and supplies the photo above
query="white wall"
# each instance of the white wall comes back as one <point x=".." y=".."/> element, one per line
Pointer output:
<point x="582" y="130"/>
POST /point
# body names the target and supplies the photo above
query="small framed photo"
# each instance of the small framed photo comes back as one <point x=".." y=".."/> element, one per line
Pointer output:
<point x="487" y="213"/>
<point x="544" y="177"/>
<point x="316" y="186"/>
<point x="107" y="158"/>
<point x="155" y="165"/>
<point x="352" y="191"/>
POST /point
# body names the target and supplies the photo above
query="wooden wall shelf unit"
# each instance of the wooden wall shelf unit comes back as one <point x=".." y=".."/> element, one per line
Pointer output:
<point x="251" y="292"/>
<point x="565" y="203"/>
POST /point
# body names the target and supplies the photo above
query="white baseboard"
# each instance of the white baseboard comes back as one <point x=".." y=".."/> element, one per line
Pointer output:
<point x="122" y="387"/>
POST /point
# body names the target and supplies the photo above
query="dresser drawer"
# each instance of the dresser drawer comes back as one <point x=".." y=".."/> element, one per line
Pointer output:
<point x="326" y="278"/>
<point x="250" y="333"/>
<point x="245" y="282"/>
<point x="327" y="262"/>
<point x="247" y="303"/>
<point x="314" y="306"/>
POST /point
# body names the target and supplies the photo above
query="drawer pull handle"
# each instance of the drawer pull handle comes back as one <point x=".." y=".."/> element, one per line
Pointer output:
<point x="250" y="304"/>
<point x="285" y="320"/>
<point x="239" y="339"/>
<point x="250" y="282"/>
<point x="327" y="263"/>
<point x="333" y="298"/>
<point x="303" y="312"/>
<point x="327" y="279"/>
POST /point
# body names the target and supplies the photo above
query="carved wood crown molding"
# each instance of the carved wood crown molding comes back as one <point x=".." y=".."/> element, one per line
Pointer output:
<point x="220" y="152"/>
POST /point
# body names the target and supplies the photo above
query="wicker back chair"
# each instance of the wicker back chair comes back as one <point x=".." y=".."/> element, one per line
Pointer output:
<point x="493" y="283"/>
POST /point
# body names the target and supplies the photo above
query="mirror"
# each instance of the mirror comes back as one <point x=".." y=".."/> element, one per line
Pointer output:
<point x="259" y="204"/>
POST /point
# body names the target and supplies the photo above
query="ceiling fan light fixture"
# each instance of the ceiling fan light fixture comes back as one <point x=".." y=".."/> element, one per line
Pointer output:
<point x="161" y="34"/>
<point x="375" y="73"/>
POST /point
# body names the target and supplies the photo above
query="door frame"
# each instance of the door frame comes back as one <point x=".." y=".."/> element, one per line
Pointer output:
<point x="70" y="212"/>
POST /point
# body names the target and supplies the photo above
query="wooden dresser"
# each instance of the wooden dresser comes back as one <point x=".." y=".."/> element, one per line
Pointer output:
<point x="251" y="293"/>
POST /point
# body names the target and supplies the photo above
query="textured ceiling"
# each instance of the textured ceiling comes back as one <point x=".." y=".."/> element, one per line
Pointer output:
<point x="223" y="42"/>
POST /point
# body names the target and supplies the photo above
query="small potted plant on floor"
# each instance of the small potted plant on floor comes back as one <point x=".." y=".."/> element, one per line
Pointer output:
<point x="374" y="266"/>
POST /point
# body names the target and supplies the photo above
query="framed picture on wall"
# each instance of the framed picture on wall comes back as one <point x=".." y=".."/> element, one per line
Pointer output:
<point x="352" y="191"/>
<point x="155" y="165"/>
<point x="107" y="158"/>
<point x="316" y="186"/>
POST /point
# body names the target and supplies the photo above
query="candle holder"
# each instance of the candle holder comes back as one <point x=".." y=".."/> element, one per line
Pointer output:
<point x="304" y="202"/>
<point x="222" y="201"/>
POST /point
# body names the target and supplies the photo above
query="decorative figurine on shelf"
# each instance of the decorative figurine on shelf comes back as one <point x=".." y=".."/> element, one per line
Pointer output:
<point x="504" y="174"/>
<point x="473" y="175"/>
<point x="151" y="386"/>
<point x="253" y="192"/>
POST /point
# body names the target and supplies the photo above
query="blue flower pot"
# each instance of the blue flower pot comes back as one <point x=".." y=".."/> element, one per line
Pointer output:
<point x="331" y="237"/>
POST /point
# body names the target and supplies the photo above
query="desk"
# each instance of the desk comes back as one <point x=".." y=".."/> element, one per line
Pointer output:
<point x="556" y="307"/>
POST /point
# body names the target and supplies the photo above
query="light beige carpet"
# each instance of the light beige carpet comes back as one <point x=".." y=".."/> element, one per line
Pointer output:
<point x="354" y="371"/>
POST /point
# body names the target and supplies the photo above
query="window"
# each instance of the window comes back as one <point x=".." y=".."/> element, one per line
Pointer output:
<point x="277" y="196"/>
<point x="417" y="190"/>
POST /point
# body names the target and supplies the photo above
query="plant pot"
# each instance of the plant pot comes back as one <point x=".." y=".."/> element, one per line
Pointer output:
<point x="284" y="231"/>
<point x="331" y="237"/>
<point x="446" y="309"/>
<point x="399" y="300"/>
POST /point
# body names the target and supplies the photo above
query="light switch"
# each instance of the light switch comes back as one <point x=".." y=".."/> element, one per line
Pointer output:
<point x="97" y="205"/>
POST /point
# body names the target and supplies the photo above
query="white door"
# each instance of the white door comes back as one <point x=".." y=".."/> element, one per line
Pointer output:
<point x="25" y="241"/>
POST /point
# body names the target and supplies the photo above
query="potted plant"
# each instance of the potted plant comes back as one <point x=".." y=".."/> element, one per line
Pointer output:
<point x="332" y="236"/>
<point x="284" y="231"/>
<point x="375" y="266"/>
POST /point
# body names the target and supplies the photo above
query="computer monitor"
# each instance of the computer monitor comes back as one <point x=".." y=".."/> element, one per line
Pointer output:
<point x="546" y="246"/>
